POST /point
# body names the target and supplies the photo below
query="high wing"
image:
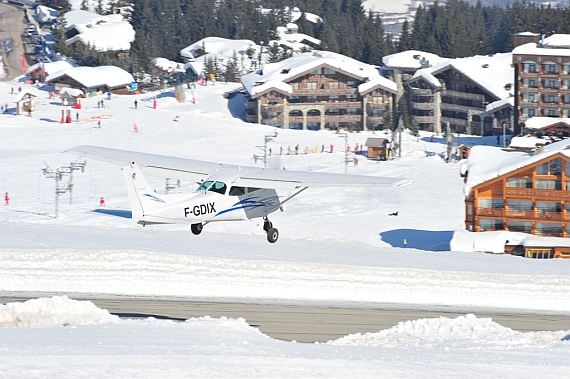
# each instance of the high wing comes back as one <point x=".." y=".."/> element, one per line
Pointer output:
<point x="247" y="176"/>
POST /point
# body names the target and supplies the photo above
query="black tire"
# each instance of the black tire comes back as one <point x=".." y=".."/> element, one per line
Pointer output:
<point x="272" y="235"/>
<point x="196" y="228"/>
<point x="267" y="225"/>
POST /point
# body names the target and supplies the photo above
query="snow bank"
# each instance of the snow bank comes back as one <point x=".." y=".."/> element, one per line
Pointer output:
<point x="467" y="329"/>
<point x="55" y="311"/>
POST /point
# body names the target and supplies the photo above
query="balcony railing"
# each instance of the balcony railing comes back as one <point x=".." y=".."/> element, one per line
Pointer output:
<point x="424" y="119"/>
<point x="421" y="92"/>
<point x="422" y="106"/>
<point x="535" y="215"/>
<point x="464" y="95"/>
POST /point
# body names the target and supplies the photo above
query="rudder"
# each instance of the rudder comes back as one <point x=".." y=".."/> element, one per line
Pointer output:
<point x="142" y="197"/>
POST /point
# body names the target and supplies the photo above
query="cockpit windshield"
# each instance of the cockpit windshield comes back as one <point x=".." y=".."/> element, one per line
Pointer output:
<point x="209" y="185"/>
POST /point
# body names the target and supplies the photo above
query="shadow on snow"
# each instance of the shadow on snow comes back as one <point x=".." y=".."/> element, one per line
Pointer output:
<point x="429" y="240"/>
<point x="114" y="212"/>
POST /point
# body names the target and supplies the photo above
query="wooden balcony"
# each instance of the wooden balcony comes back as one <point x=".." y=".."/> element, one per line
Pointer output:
<point x="422" y="106"/>
<point x="464" y="95"/>
<point x="424" y="119"/>
<point x="421" y="92"/>
<point x="549" y="105"/>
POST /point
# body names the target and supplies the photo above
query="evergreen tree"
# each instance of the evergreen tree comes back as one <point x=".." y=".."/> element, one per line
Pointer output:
<point x="233" y="73"/>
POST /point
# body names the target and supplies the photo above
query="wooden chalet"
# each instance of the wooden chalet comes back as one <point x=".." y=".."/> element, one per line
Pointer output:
<point x="319" y="90"/>
<point x="377" y="148"/>
<point x="530" y="195"/>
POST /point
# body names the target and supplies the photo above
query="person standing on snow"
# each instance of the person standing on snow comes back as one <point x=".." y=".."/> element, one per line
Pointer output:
<point x="7" y="199"/>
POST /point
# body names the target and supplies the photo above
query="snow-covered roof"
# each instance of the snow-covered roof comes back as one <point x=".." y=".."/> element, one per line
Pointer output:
<point x="532" y="48"/>
<point x="526" y="142"/>
<point x="74" y="92"/>
<point x="496" y="105"/>
<point x="104" y="33"/>
<point x="274" y="75"/>
<point x="541" y="122"/>
<point x="46" y="14"/>
<point x="486" y="162"/>
<point x="294" y="40"/>
<point x="220" y="47"/>
<point x="165" y="64"/>
<point x="27" y="91"/>
<point x="410" y="59"/>
<point x="428" y="77"/>
<point x="311" y="17"/>
<point x="109" y="76"/>
<point x="491" y="73"/>
<point x="50" y="67"/>
<point x="557" y="41"/>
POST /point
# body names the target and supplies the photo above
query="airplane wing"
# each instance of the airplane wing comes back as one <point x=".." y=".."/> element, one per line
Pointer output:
<point x="247" y="176"/>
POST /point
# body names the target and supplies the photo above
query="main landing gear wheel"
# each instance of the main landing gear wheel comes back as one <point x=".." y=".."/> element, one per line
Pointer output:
<point x="272" y="235"/>
<point x="196" y="228"/>
<point x="267" y="225"/>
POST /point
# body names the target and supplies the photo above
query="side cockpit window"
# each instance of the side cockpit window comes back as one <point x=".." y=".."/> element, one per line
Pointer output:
<point x="237" y="191"/>
<point x="218" y="187"/>
<point x="209" y="185"/>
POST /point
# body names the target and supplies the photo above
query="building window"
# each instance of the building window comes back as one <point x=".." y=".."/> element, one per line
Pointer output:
<point x="566" y="68"/>
<point x="553" y="167"/>
<point x="551" y="83"/>
<point x="520" y="226"/>
<point x="311" y="99"/>
<point x="272" y="102"/>
<point x="333" y="125"/>
<point x="295" y="113"/>
<point x="333" y="98"/>
<point x="294" y="85"/>
<point x="377" y="112"/>
<point x="519" y="182"/>
<point x="485" y="225"/>
<point x="550" y="98"/>
<point x="313" y="112"/>
<point x="311" y="85"/>
<point x="515" y="207"/>
<point x="328" y="71"/>
<point x="378" y="100"/>
<point x="333" y="112"/>
<point x="549" y="184"/>
<point x="530" y="98"/>
<point x="547" y="229"/>
<point x="548" y="207"/>
<point x="333" y="85"/>
<point x="550" y="68"/>
<point x="550" y="113"/>
<point x="566" y="99"/>
<point x="296" y="125"/>
<point x="351" y="111"/>
<point x="491" y="203"/>
<point x="528" y="112"/>
<point x="271" y="115"/>
<point x="351" y="83"/>
<point x="530" y="66"/>
<point x="469" y="209"/>
<point x="352" y="97"/>
<point x="530" y="83"/>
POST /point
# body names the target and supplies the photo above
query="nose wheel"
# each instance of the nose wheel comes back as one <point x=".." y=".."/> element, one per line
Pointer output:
<point x="272" y="233"/>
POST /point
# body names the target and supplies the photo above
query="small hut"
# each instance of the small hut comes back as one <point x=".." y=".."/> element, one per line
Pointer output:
<point x="26" y="101"/>
<point x="464" y="151"/>
<point x="377" y="148"/>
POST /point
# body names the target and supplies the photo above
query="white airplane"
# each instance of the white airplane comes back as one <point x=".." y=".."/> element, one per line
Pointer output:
<point x="224" y="193"/>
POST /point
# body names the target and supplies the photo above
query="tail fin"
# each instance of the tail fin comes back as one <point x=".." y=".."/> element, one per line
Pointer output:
<point x="141" y="195"/>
